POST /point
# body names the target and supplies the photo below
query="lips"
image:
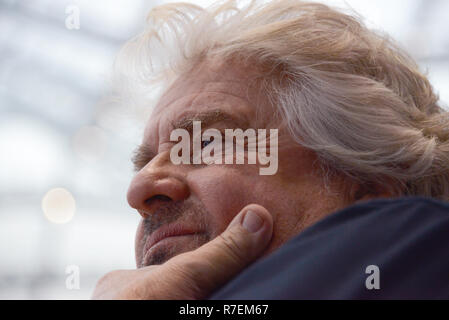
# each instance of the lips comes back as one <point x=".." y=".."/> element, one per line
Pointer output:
<point x="168" y="231"/>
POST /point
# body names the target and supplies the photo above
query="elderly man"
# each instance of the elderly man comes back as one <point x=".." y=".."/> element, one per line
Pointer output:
<point x="361" y="147"/>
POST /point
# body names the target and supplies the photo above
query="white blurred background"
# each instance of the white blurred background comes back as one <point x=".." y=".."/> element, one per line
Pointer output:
<point x="64" y="161"/>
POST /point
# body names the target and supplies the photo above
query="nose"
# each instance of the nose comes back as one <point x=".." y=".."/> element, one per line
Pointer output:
<point x="156" y="185"/>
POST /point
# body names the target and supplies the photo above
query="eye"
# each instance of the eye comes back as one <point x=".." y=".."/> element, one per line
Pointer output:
<point x="206" y="142"/>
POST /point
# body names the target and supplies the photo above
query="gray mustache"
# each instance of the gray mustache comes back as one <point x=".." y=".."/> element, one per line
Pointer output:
<point x="186" y="210"/>
<point x="164" y="215"/>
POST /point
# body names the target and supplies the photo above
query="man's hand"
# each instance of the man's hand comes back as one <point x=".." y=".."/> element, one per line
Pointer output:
<point x="195" y="274"/>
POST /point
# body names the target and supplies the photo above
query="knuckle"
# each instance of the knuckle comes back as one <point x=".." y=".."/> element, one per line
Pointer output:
<point x="187" y="277"/>
<point x="107" y="277"/>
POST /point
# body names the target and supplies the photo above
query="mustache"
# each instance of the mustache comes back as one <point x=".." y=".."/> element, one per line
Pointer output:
<point x="175" y="211"/>
<point x="165" y="214"/>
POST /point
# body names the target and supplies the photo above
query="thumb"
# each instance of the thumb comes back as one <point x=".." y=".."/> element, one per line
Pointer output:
<point x="219" y="260"/>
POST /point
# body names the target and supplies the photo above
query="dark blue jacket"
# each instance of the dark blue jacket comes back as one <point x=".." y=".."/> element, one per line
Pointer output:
<point x="407" y="239"/>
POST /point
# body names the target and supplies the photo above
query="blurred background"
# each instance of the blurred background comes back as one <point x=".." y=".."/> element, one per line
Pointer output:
<point x="64" y="158"/>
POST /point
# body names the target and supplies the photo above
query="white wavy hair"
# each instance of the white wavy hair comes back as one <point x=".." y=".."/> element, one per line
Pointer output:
<point x="348" y="93"/>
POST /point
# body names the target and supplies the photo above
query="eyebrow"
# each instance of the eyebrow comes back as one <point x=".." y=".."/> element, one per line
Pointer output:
<point x="144" y="154"/>
<point x="141" y="156"/>
<point x="207" y="119"/>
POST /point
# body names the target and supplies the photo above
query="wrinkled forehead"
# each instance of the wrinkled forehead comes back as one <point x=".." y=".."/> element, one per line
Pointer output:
<point x="233" y="91"/>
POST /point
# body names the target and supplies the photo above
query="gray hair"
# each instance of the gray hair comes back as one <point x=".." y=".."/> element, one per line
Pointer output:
<point x="348" y="93"/>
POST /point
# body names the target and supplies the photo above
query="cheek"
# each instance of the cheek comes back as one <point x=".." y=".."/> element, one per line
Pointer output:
<point x="223" y="191"/>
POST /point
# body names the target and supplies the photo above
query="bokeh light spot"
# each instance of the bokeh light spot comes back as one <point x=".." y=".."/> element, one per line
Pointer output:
<point x="59" y="206"/>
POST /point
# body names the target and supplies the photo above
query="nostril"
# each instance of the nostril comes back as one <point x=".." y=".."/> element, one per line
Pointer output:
<point x="162" y="197"/>
<point x="156" y="198"/>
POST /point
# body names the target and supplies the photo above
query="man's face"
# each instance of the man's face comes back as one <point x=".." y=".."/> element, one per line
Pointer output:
<point x="184" y="206"/>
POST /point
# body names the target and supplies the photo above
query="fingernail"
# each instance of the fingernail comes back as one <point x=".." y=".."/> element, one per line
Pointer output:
<point x="252" y="221"/>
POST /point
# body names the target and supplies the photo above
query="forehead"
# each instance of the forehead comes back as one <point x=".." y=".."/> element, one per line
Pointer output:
<point x="233" y="90"/>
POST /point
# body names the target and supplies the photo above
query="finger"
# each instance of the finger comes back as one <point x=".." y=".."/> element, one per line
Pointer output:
<point x="210" y="266"/>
